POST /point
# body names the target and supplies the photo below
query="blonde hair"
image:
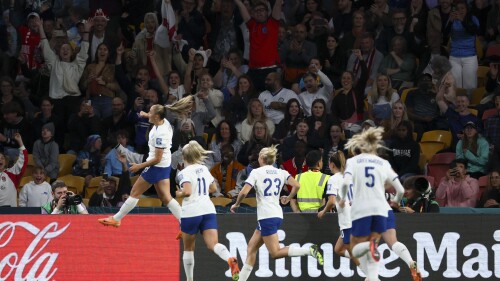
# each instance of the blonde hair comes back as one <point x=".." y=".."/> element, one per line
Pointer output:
<point x="374" y="91"/>
<point x="181" y="108"/>
<point x="405" y="113"/>
<point x="194" y="153"/>
<point x="368" y="141"/>
<point x="268" y="154"/>
<point x="251" y="119"/>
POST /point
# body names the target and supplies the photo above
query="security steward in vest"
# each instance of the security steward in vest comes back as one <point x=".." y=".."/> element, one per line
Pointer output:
<point x="309" y="199"/>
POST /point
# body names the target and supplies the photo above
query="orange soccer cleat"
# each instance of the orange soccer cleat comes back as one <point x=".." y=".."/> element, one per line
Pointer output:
<point x="415" y="273"/>
<point x="179" y="235"/>
<point x="374" y="249"/>
<point x="109" y="221"/>
<point x="235" y="270"/>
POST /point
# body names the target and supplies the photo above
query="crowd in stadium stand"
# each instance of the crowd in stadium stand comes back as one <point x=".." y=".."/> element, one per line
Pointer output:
<point x="304" y="74"/>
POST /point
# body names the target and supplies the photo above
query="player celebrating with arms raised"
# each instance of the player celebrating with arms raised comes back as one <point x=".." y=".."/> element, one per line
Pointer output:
<point x="268" y="182"/>
<point x="368" y="174"/>
<point x="198" y="212"/>
<point x="157" y="166"/>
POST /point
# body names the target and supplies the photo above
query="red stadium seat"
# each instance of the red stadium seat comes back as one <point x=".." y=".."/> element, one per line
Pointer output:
<point x="431" y="181"/>
<point x="438" y="166"/>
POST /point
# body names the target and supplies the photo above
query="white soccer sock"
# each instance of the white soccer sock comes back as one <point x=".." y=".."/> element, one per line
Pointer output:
<point x="372" y="269"/>
<point x="361" y="249"/>
<point x="402" y="252"/>
<point x="188" y="260"/>
<point x="363" y="262"/>
<point x="221" y="251"/>
<point x="175" y="208"/>
<point x="127" y="206"/>
<point x="298" y="252"/>
<point x="131" y="157"/>
<point x="245" y="272"/>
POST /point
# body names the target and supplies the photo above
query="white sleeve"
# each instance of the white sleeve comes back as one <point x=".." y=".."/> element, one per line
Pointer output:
<point x="23" y="196"/>
<point x="251" y="180"/>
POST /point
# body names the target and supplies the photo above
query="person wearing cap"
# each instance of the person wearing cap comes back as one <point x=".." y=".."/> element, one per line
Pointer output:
<point x="457" y="188"/>
<point x="263" y="36"/>
<point x="475" y="149"/>
<point x="58" y="206"/>
<point x="29" y="37"/>
<point x="422" y="107"/>
<point x="46" y="152"/>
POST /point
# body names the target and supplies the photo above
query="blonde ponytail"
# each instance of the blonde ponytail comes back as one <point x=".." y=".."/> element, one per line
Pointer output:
<point x="368" y="141"/>
<point x="194" y="153"/>
<point x="268" y="154"/>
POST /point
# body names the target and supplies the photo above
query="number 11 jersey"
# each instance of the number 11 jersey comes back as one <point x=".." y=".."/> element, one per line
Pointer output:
<point x="198" y="203"/>
<point x="268" y="182"/>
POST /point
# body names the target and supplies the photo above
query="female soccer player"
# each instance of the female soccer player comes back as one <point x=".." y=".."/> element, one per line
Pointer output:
<point x="368" y="174"/>
<point x="198" y="212"/>
<point x="268" y="182"/>
<point x="337" y="166"/>
<point x="157" y="166"/>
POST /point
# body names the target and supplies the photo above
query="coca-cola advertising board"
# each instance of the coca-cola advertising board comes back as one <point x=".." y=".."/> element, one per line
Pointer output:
<point x="77" y="247"/>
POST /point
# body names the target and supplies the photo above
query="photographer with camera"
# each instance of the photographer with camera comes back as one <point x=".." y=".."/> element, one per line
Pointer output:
<point x="65" y="202"/>
<point x="418" y="197"/>
<point x="458" y="189"/>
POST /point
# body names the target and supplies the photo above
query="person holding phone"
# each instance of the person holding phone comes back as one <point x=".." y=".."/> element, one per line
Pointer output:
<point x="457" y="189"/>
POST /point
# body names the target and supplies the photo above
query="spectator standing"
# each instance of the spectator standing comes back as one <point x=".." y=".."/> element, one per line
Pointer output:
<point x="37" y="192"/>
<point x="371" y="56"/>
<point x="65" y="72"/>
<point x="191" y="26"/>
<point x="463" y="58"/>
<point x="46" y="152"/>
<point x="313" y="91"/>
<point x="399" y="64"/>
<point x="101" y="34"/>
<point x="296" y="53"/>
<point x="263" y="36"/>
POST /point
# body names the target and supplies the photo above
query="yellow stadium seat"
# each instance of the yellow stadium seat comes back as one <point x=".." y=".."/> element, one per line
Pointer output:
<point x="149" y="202"/>
<point x="437" y="136"/>
<point x="250" y="201"/>
<point x="482" y="72"/>
<point x="221" y="201"/>
<point x="473" y="111"/>
<point x="73" y="183"/>
<point x="405" y="92"/>
<point x="430" y="148"/>
<point x="66" y="162"/>
<point x="93" y="186"/>
<point x="477" y="95"/>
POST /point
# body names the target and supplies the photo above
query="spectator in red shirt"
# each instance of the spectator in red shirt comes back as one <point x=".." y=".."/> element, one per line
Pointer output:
<point x="263" y="36"/>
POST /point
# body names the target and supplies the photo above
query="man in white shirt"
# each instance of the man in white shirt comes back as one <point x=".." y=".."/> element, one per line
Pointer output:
<point x="275" y="97"/>
<point x="313" y="91"/>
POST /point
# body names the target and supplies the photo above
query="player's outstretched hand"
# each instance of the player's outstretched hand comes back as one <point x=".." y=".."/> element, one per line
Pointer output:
<point x="234" y="207"/>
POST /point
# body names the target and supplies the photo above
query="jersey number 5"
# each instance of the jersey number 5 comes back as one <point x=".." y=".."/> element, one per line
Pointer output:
<point x="269" y="183"/>
<point x="370" y="177"/>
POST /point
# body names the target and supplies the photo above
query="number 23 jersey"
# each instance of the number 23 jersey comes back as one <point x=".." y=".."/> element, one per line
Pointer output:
<point x="198" y="203"/>
<point x="268" y="182"/>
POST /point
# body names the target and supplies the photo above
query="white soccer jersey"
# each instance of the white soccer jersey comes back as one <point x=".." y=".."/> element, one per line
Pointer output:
<point x="268" y="182"/>
<point x="283" y="96"/>
<point x="198" y="203"/>
<point x="369" y="174"/>
<point x="161" y="137"/>
<point x="333" y="188"/>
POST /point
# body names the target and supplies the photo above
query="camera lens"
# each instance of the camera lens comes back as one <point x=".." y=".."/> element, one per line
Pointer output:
<point x="421" y="185"/>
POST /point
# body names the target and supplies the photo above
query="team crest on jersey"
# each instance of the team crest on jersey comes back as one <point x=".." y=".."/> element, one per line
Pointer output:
<point x="158" y="141"/>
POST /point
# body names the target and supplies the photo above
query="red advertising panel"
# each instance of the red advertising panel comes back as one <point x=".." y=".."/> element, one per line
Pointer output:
<point x="77" y="247"/>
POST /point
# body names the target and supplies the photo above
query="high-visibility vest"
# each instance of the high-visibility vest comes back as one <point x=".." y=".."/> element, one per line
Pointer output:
<point x="312" y="188"/>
